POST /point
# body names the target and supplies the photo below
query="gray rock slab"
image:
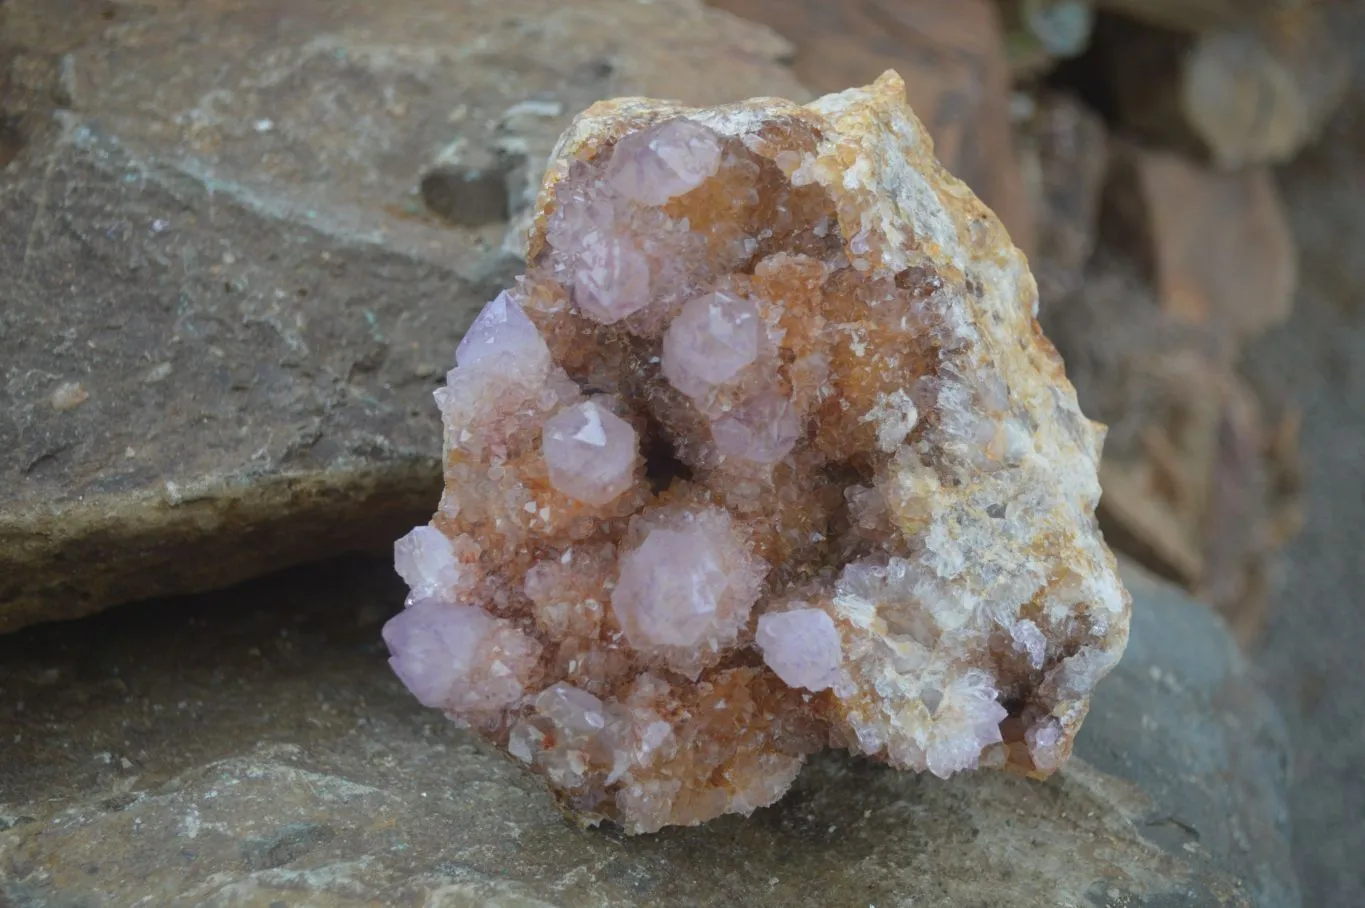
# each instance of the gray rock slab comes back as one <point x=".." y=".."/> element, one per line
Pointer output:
<point x="239" y="240"/>
<point x="1310" y="654"/>
<point x="250" y="747"/>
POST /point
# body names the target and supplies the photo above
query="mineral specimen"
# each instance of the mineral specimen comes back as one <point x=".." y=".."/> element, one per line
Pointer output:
<point x="764" y="453"/>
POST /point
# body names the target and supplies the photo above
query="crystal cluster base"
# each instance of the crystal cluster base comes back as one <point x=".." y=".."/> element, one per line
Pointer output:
<point x="765" y="453"/>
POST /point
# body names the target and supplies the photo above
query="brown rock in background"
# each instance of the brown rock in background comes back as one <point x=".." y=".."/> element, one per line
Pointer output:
<point x="1039" y="33"/>
<point x="1191" y="262"/>
<point x="225" y="304"/>
<point x="1199" y="476"/>
<point x="1204" y="15"/>
<point x="950" y="54"/>
<point x="1215" y="245"/>
<point x="1252" y="93"/>
<point x="1196" y="501"/>
<point x="1063" y="152"/>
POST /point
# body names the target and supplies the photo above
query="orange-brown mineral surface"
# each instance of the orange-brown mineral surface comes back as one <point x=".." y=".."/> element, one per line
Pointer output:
<point x="765" y="453"/>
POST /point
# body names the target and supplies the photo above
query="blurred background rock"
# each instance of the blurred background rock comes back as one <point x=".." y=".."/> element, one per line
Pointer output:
<point x="240" y="238"/>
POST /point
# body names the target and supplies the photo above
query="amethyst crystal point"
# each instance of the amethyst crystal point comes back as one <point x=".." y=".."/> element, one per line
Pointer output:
<point x="723" y="474"/>
<point x="458" y="658"/>
<point x="685" y="591"/>
<point x="671" y="159"/>
<point x="802" y="646"/>
<point x="712" y="338"/>
<point x="425" y="559"/>
<point x="590" y="453"/>
<point x="611" y="278"/>
<point x="502" y="329"/>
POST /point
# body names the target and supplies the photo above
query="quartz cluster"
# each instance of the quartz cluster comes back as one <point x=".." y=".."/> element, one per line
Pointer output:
<point x="765" y="453"/>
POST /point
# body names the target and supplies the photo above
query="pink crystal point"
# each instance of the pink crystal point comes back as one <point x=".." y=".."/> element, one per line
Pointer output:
<point x="590" y="453"/>
<point x="610" y="277"/>
<point x="966" y="719"/>
<point x="502" y="329"/>
<point x="670" y="589"/>
<point x="503" y="365"/>
<point x="802" y="646"/>
<point x="713" y="337"/>
<point x="426" y="560"/>
<point x="459" y="658"/>
<point x="664" y="161"/>
<point x="686" y="590"/>
<point x="762" y="429"/>
<point x="1045" y="743"/>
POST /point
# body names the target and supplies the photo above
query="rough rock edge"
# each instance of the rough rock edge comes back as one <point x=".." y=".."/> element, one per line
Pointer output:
<point x="222" y="523"/>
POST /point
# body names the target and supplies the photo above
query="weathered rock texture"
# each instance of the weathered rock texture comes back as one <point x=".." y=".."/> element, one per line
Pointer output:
<point x="252" y="748"/>
<point x="764" y="452"/>
<point x="225" y="301"/>
<point x="1215" y="246"/>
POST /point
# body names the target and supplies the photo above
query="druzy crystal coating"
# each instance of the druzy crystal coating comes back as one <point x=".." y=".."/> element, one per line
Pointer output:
<point x="763" y="454"/>
<point x="685" y="591"/>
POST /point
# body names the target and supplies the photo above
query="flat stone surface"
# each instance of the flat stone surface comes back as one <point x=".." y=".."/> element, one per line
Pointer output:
<point x="226" y="305"/>
<point x="1310" y="655"/>
<point x="250" y="747"/>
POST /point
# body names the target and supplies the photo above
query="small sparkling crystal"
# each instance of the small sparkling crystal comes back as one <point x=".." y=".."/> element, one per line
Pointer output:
<point x="763" y="429"/>
<point x="425" y="559"/>
<point x="802" y="646"/>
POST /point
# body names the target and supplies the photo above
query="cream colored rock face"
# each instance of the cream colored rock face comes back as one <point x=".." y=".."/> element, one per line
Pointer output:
<point x="847" y="499"/>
